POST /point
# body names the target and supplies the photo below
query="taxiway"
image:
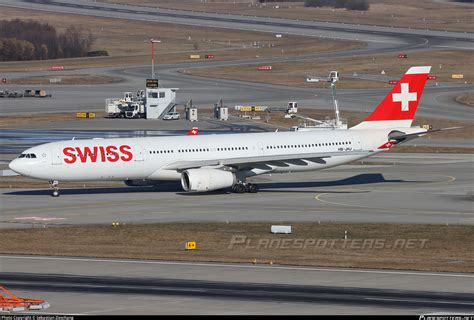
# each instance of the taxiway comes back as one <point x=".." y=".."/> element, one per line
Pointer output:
<point x="101" y="286"/>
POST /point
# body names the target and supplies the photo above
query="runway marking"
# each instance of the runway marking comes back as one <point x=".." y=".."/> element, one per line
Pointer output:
<point x="400" y="210"/>
<point x="95" y="312"/>
<point x="221" y="265"/>
<point x="103" y="204"/>
<point x="455" y="47"/>
<point x="318" y="198"/>
<point x="39" y="218"/>
<point x="422" y="301"/>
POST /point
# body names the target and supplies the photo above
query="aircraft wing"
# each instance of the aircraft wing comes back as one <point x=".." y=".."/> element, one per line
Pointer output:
<point x="242" y="162"/>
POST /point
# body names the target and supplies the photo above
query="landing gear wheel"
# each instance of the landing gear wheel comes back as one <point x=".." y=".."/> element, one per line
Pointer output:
<point x="55" y="186"/>
<point x="239" y="188"/>
<point x="252" y="188"/>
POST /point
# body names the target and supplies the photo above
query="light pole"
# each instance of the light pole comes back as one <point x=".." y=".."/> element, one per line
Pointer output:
<point x="153" y="41"/>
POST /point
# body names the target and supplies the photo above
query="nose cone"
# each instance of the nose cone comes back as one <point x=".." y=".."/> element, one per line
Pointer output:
<point x="16" y="165"/>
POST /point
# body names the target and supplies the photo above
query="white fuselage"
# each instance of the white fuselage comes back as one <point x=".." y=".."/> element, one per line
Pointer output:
<point x="147" y="158"/>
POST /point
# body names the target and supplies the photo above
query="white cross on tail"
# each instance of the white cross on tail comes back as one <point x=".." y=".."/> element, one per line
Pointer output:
<point x="405" y="96"/>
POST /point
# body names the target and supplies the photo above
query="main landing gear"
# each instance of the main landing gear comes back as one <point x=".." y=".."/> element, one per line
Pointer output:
<point x="55" y="187"/>
<point x="242" y="187"/>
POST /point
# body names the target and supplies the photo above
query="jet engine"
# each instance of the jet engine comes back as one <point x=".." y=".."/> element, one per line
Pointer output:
<point x="202" y="180"/>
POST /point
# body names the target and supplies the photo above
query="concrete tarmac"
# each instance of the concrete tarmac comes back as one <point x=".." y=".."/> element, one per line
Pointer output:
<point x="102" y="286"/>
<point x="388" y="188"/>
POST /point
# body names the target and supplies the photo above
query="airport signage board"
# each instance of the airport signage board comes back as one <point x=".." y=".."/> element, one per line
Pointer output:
<point x="457" y="76"/>
<point x="264" y="68"/>
<point x="392" y="81"/>
<point x="209" y="56"/>
<point x="56" y="68"/>
<point x="152" y="83"/>
<point x="432" y="77"/>
<point x="251" y="108"/>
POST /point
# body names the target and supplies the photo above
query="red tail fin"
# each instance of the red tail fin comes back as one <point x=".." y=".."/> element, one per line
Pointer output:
<point x="193" y="132"/>
<point x="398" y="108"/>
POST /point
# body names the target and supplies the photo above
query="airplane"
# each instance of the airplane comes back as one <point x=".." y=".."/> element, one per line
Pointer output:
<point x="213" y="162"/>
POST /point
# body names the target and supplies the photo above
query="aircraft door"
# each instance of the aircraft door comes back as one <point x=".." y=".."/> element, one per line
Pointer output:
<point x="356" y="143"/>
<point x="260" y="149"/>
<point x="138" y="153"/>
<point x="56" y="158"/>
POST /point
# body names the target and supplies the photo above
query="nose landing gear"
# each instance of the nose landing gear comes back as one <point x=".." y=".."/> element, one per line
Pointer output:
<point x="54" y="185"/>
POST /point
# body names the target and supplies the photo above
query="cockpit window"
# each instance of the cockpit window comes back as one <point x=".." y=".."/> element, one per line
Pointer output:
<point x="27" y="155"/>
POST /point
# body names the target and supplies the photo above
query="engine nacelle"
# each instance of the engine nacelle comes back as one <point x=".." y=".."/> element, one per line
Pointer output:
<point x="140" y="182"/>
<point x="202" y="180"/>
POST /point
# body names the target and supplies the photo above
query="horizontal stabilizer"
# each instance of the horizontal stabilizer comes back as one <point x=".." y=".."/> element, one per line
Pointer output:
<point x="400" y="137"/>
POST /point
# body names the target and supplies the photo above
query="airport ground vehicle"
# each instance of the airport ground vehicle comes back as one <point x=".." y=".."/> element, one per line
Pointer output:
<point x="171" y="116"/>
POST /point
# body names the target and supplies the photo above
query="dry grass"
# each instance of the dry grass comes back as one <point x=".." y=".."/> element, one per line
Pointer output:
<point x="447" y="248"/>
<point x="466" y="98"/>
<point x="293" y="73"/>
<point x="124" y="41"/>
<point x="421" y="14"/>
<point x="67" y="79"/>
